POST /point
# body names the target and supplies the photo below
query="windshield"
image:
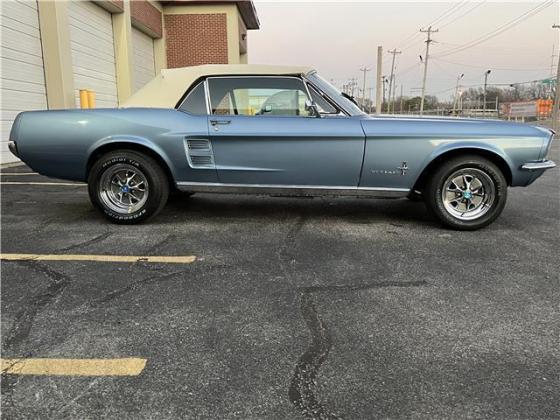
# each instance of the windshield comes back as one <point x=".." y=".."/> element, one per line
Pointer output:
<point x="334" y="94"/>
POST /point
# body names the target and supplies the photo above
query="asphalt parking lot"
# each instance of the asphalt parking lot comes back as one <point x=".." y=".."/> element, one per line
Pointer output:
<point x="293" y="308"/>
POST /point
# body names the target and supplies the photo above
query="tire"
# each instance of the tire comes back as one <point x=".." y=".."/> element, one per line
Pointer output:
<point x="125" y="176"/>
<point x="475" y="192"/>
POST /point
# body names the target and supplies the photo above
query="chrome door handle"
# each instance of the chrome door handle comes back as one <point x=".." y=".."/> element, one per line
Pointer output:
<point x="220" y="122"/>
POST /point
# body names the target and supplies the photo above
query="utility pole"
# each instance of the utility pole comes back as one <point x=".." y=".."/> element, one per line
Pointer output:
<point x="379" y="85"/>
<point x="394" y="52"/>
<point x="429" y="40"/>
<point x="352" y="86"/>
<point x="400" y="108"/>
<point x="486" y="73"/>
<point x="555" y="107"/>
<point x="456" y="98"/>
<point x="394" y="92"/>
<point x="364" y="70"/>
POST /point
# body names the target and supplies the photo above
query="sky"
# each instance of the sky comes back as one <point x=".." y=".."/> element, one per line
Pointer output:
<point x="338" y="38"/>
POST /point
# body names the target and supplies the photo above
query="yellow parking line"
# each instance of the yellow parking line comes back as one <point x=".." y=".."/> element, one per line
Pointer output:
<point x="187" y="259"/>
<point x="74" y="367"/>
<point x="42" y="183"/>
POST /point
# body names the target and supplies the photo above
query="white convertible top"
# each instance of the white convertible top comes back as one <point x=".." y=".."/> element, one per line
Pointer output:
<point x="167" y="88"/>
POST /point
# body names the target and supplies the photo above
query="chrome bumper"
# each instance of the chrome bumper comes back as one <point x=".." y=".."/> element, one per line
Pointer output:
<point x="13" y="148"/>
<point x="535" y="166"/>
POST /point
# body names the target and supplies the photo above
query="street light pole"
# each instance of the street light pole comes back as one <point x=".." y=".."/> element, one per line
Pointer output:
<point x="485" y="84"/>
<point x="455" y="100"/>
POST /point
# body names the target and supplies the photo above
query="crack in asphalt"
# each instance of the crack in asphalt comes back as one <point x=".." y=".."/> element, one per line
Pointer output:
<point x="132" y="286"/>
<point x="302" y="387"/>
<point x="302" y="391"/>
<point x="91" y="241"/>
<point x="23" y="322"/>
<point x="159" y="244"/>
<point x="24" y="319"/>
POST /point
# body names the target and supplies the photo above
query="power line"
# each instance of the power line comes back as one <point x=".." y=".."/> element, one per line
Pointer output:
<point x="485" y="67"/>
<point x="494" y="84"/>
<point x="476" y="6"/>
<point x="498" y="30"/>
<point x="448" y="12"/>
<point x="408" y="70"/>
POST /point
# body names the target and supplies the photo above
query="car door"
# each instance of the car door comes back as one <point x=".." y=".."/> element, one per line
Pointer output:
<point x="262" y="133"/>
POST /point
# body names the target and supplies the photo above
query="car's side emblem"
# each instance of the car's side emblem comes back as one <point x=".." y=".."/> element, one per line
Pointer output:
<point x="403" y="168"/>
<point x="400" y="170"/>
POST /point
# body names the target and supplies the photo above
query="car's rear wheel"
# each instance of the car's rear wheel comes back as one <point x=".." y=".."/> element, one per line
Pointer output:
<point x="127" y="186"/>
<point x="467" y="192"/>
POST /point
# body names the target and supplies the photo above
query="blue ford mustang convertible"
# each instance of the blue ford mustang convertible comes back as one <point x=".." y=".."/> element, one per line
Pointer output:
<point x="280" y="131"/>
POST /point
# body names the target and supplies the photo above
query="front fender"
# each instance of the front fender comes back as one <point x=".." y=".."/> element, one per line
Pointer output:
<point x="464" y="146"/>
<point x="512" y="153"/>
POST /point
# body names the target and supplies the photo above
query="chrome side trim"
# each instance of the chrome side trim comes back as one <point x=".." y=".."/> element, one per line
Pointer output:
<point x="533" y="166"/>
<point x="207" y="95"/>
<point x="293" y="190"/>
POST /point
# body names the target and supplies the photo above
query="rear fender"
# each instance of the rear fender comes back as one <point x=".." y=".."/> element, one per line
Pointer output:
<point x="135" y="142"/>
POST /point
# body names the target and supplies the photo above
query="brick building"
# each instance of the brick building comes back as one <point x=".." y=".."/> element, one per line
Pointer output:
<point x="52" y="49"/>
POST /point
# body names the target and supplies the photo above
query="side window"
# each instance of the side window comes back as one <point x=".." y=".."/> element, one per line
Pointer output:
<point x="258" y="96"/>
<point x="195" y="102"/>
<point x="324" y="106"/>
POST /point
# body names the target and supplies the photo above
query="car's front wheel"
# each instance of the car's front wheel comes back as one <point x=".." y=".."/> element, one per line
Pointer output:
<point x="466" y="192"/>
<point x="127" y="186"/>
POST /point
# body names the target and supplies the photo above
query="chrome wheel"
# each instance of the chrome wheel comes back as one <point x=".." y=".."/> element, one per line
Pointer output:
<point x="123" y="188"/>
<point x="468" y="194"/>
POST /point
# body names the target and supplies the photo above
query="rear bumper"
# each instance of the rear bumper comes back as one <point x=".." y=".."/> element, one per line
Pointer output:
<point x="13" y="148"/>
<point x="537" y="166"/>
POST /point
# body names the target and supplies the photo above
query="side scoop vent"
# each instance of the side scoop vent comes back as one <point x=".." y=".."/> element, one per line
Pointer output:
<point x="199" y="153"/>
<point x="198" y="144"/>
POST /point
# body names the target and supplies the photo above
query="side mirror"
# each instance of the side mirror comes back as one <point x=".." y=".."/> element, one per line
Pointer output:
<point x="312" y="108"/>
<point x="267" y="108"/>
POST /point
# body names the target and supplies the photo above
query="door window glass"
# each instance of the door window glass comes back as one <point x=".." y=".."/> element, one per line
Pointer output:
<point x="258" y="96"/>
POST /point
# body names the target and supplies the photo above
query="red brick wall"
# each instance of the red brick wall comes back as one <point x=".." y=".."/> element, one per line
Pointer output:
<point x="196" y="39"/>
<point x="147" y="16"/>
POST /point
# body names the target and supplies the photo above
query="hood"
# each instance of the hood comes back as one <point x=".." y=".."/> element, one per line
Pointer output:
<point x="452" y="127"/>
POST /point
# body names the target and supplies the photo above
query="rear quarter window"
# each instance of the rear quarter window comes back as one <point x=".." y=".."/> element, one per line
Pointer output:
<point x="195" y="101"/>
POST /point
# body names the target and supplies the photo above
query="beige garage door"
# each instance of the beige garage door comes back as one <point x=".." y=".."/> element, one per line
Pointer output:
<point x="93" y="52"/>
<point x="21" y="60"/>
<point x="144" y="68"/>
